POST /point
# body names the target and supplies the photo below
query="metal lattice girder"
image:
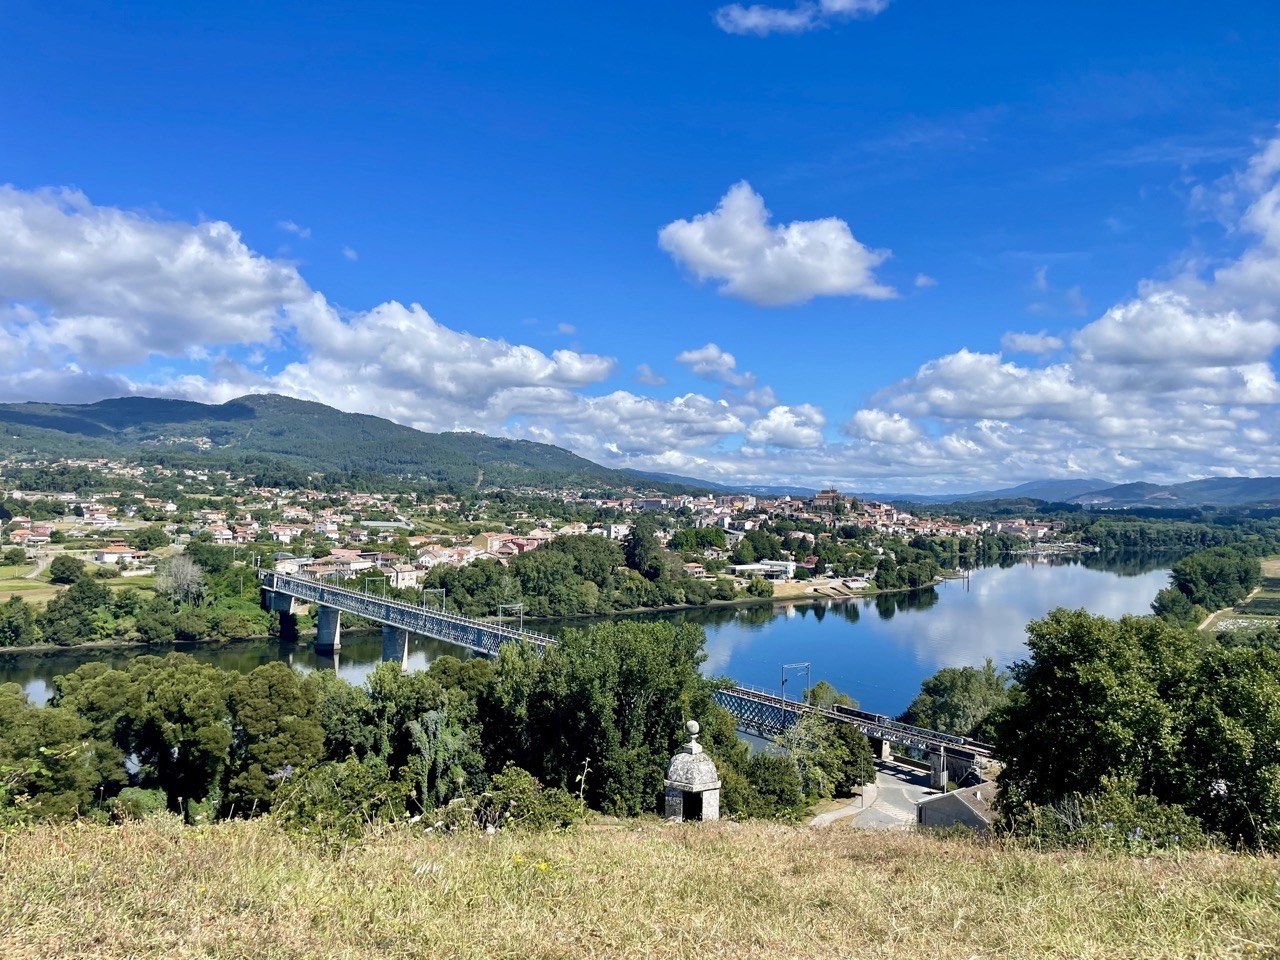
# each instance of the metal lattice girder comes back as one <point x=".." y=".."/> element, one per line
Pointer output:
<point x="757" y="710"/>
<point x="476" y="635"/>
<point x="760" y="711"/>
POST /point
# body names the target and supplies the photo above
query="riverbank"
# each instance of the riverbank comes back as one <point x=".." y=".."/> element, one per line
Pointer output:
<point x="246" y="889"/>
<point x="1249" y="613"/>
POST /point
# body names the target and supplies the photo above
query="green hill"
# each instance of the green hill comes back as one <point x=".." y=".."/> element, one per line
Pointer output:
<point x="307" y="435"/>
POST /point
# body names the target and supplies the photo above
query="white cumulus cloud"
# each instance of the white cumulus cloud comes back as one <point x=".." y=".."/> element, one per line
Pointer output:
<point x="761" y="20"/>
<point x="881" y="427"/>
<point x="112" y="287"/>
<point x="712" y="363"/>
<point x="1030" y="343"/>
<point x="796" y="427"/>
<point x="773" y="265"/>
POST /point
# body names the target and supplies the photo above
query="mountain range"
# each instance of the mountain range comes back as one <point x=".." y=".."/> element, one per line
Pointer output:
<point x="309" y="436"/>
<point x="312" y="437"/>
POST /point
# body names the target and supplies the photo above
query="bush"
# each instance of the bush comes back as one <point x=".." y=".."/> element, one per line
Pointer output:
<point x="341" y="799"/>
<point x="65" y="569"/>
<point x="516" y="800"/>
<point x="776" y="786"/>
<point x="134" y="803"/>
<point x="1114" y="818"/>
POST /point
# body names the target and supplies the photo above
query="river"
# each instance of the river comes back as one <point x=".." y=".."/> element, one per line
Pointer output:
<point x="877" y="650"/>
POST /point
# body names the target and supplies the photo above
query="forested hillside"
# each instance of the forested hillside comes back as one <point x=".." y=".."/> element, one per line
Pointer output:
<point x="310" y="436"/>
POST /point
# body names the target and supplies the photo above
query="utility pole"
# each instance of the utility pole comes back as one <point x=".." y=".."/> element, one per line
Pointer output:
<point x="808" y="676"/>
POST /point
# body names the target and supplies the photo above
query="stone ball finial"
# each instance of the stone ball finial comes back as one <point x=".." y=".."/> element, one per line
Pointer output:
<point x="692" y="727"/>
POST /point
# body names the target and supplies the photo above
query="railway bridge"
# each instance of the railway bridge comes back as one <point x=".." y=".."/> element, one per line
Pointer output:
<point x="757" y="711"/>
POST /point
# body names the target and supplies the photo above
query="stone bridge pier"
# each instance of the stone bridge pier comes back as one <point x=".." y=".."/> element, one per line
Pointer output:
<point x="287" y="607"/>
<point x="395" y="646"/>
<point x="328" y="630"/>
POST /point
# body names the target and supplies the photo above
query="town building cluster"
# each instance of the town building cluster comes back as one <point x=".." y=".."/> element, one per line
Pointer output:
<point x="340" y="534"/>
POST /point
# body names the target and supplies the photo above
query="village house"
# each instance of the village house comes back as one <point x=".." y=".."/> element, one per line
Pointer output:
<point x="114" y="554"/>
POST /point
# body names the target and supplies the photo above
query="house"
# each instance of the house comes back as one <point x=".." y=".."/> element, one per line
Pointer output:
<point x="694" y="570"/>
<point x="487" y="542"/>
<point x="116" y="555"/>
<point x="769" y="569"/>
<point x="404" y="575"/>
<point x="970" y="807"/>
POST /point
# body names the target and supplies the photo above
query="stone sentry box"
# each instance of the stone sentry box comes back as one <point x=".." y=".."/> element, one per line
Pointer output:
<point x="692" y="784"/>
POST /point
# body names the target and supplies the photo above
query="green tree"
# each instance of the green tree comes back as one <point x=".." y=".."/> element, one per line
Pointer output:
<point x="68" y="617"/>
<point x="276" y="734"/>
<point x="818" y="754"/>
<point x="150" y="537"/>
<point x="612" y="698"/>
<point x="18" y="627"/>
<point x="60" y="768"/>
<point x="958" y="700"/>
<point x="66" y="569"/>
<point x="1095" y="698"/>
<point x="643" y="552"/>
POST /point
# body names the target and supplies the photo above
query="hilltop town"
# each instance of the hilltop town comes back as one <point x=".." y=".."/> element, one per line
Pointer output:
<point x="96" y="507"/>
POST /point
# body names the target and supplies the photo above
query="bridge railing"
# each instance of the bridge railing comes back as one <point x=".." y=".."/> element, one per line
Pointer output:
<point x="414" y="617"/>
<point x="317" y="591"/>
<point x="872" y="724"/>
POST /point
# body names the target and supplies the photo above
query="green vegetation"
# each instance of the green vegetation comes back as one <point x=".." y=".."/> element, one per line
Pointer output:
<point x="578" y="575"/>
<point x="280" y="440"/>
<point x="1206" y="581"/>
<point x="596" y="718"/>
<point x="1145" y="710"/>
<point x="960" y="701"/>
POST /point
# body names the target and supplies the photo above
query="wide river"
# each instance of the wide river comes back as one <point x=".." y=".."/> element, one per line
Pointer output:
<point x="877" y="650"/>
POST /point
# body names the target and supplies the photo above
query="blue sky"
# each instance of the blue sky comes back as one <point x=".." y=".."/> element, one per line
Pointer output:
<point x="880" y="243"/>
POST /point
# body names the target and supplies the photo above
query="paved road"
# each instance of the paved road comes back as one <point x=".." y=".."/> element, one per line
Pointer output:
<point x="898" y="788"/>
<point x="42" y="563"/>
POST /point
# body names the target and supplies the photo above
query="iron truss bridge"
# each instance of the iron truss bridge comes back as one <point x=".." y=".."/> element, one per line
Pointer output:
<point x="766" y="713"/>
<point x="478" y="635"/>
<point x="757" y="710"/>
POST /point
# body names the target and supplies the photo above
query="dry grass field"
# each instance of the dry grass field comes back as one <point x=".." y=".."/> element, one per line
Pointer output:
<point x="247" y="890"/>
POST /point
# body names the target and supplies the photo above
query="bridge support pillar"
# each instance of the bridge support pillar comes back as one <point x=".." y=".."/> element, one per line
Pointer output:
<point x="395" y="645"/>
<point x="328" y="630"/>
<point x="937" y="770"/>
<point x="277" y="602"/>
<point x="881" y="749"/>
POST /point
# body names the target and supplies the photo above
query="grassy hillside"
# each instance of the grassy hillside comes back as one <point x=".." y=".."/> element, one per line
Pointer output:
<point x="309" y="435"/>
<point x="243" y="889"/>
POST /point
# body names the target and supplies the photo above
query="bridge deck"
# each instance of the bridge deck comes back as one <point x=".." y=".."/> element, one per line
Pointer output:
<point x="759" y="709"/>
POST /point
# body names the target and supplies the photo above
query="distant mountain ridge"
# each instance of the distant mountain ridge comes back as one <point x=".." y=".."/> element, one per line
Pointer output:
<point x="1054" y="491"/>
<point x="309" y="435"/>
<point x="1104" y="495"/>
<point x="1210" y="492"/>
<point x="316" y="438"/>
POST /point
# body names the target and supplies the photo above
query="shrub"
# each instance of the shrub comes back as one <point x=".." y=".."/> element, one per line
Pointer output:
<point x="516" y="799"/>
<point x="134" y="803"/>
<point x="1114" y="818"/>
<point x="341" y="799"/>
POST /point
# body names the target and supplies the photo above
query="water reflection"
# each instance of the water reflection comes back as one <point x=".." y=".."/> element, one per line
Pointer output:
<point x="361" y="653"/>
<point x="877" y="649"/>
